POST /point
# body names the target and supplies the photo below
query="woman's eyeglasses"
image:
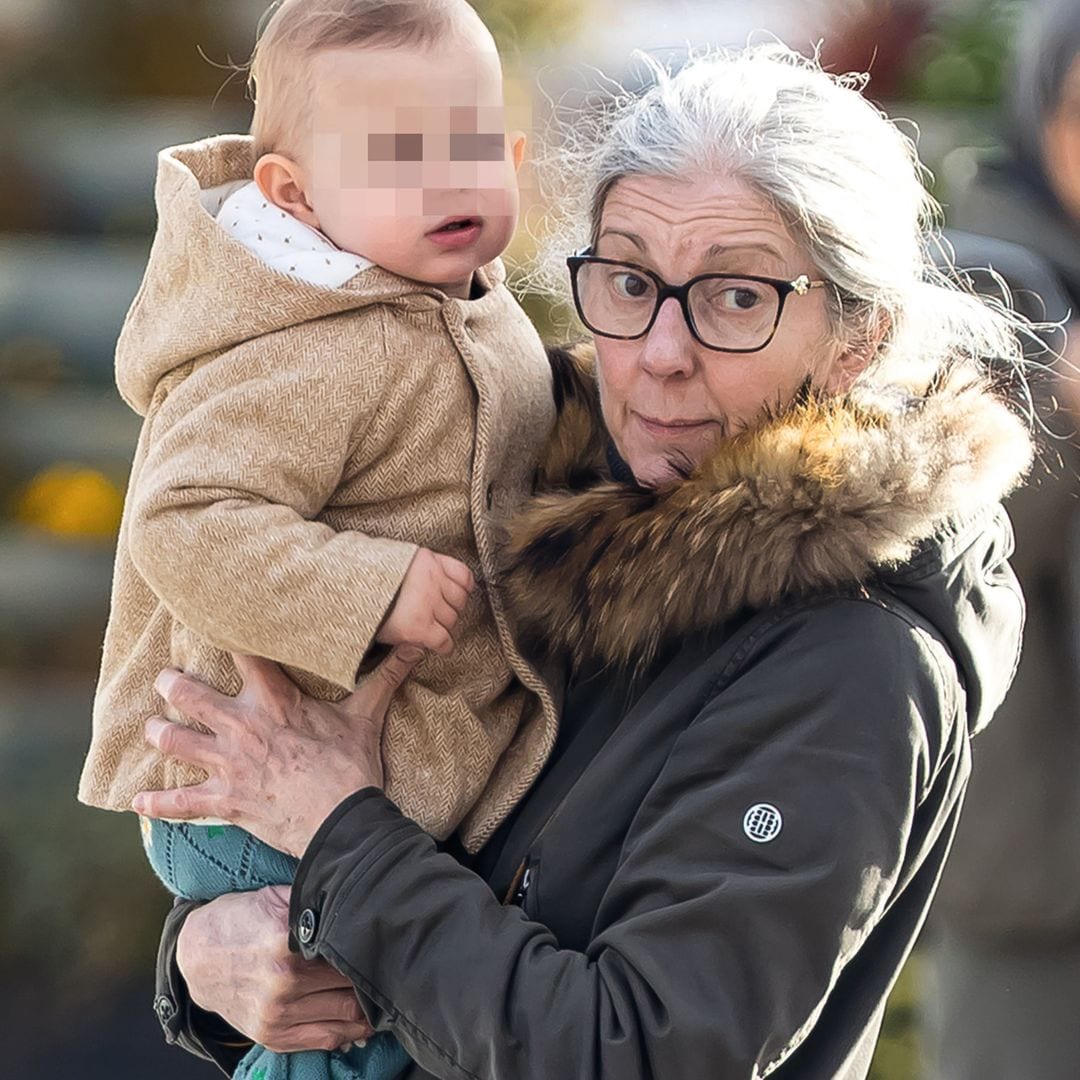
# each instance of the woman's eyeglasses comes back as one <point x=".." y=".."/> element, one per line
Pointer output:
<point x="725" y="312"/>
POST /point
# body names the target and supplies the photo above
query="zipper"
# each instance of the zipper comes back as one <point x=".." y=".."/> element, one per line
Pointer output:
<point x="518" y="892"/>
<point x="523" y="889"/>
<point x="519" y="884"/>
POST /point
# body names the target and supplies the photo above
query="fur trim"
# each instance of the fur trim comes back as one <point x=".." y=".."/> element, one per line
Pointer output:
<point x="576" y="454"/>
<point x="814" y="498"/>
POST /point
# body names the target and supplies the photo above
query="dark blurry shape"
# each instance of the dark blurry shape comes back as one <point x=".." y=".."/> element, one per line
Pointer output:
<point x="92" y="170"/>
<point x="64" y="298"/>
<point x="116" y="49"/>
<point x="964" y="57"/>
<point x="876" y="36"/>
<point x="30" y="360"/>
<point x="1004" y="973"/>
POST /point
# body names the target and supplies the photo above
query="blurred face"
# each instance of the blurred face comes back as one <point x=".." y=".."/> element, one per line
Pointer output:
<point x="410" y="164"/>
<point x="1062" y="141"/>
<point x="666" y="398"/>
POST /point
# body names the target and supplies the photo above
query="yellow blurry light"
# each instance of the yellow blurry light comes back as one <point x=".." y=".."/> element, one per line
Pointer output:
<point x="71" y="501"/>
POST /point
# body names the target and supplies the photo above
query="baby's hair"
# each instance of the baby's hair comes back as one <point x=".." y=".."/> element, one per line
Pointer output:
<point x="294" y="31"/>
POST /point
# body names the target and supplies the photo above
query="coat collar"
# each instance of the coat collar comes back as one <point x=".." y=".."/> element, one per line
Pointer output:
<point x="815" y="498"/>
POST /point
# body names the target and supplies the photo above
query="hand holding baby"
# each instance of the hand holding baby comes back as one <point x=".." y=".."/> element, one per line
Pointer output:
<point x="432" y="597"/>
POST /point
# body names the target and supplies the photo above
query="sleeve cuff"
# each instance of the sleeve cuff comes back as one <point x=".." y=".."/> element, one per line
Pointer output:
<point x="184" y="1024"/>
<point x="347" y="845"/>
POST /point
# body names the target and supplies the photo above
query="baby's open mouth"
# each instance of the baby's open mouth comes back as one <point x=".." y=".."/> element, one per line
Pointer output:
<point x="456" y="225"/>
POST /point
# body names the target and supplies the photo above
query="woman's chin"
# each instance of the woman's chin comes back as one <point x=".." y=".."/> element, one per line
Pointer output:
<point x="663" y="461"/>
<point x="654" y="470"/>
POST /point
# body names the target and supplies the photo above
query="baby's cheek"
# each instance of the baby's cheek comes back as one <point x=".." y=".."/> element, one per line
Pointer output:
<point x="381" y="203"/>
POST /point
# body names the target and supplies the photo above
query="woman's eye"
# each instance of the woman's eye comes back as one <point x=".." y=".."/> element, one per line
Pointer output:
<point x="630" y="286"/>
<point x="738" y="298"/>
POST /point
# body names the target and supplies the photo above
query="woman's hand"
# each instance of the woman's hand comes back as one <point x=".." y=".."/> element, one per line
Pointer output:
<point x="279" y="761"/>
<point x="235" y="959"/>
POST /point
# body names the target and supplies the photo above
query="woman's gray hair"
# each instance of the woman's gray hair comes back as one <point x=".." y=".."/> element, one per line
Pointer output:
<point x="844" y="179"/>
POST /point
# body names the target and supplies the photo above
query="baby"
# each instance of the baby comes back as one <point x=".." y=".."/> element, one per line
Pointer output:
<point x="339" y="391"/>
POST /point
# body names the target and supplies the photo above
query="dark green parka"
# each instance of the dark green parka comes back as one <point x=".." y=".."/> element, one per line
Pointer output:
<point x="720" y="872"/>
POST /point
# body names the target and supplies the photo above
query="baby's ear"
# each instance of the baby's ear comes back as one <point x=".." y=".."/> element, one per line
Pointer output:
<point x="517" y="148"/>
<point x="282" y="182"/>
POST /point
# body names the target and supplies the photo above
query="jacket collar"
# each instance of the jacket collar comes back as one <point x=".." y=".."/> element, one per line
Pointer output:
<point x="818" y="497"/>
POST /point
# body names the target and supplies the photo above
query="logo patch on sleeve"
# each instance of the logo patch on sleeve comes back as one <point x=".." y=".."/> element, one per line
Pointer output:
<point x="762" y="822"/>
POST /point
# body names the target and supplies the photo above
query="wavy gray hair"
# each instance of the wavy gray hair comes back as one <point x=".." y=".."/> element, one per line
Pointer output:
<point x="844" y="179"/>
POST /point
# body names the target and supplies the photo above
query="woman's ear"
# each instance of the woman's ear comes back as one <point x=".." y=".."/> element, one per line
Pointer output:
<point x="282" y="182"/>
<point x="856" y="357"/>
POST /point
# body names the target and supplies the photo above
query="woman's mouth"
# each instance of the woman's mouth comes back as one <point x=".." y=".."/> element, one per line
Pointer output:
<point x="456" y="232"/>
<point x="668" y="428"/>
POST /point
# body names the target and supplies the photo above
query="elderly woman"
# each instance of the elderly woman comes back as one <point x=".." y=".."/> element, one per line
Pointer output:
<point x="770" y="563"/>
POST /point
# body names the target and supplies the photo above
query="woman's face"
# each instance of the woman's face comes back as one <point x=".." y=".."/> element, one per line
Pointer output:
<point x="667" y="399"/>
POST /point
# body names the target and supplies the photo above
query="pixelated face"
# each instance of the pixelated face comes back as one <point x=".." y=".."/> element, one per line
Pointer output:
<point x="410" y="163"/>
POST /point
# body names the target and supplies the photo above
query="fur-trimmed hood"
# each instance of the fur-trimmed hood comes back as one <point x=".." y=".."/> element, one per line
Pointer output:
<point x="828" y="495"/>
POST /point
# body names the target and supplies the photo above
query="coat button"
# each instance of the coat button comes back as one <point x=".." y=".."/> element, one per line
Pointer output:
<point x="164" y="1007"/>
<point x="489" y="498"/>
<point x="305" y="928"/>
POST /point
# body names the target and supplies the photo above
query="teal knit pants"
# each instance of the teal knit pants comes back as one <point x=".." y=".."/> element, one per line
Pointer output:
<point x="199" y="862"/>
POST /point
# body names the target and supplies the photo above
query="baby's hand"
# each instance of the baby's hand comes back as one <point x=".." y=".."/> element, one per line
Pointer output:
<point x="432" y="597"/>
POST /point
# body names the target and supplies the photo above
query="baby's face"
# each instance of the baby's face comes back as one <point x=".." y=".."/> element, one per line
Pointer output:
<point x="410" y="164"/>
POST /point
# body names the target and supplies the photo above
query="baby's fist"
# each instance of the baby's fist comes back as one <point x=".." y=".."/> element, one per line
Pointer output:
<point x="429" y="603"/>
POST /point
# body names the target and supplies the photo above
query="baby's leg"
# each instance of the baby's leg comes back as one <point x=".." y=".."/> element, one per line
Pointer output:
<point x="200" y="862"/>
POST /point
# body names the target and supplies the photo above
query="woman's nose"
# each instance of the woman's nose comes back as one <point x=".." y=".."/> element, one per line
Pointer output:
<point x="668" y="349"/>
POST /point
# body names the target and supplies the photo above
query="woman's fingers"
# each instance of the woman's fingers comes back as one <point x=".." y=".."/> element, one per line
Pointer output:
<point x="177" y="741"/>
<point x="179" y="804"/>
<point x="314" y="1037"/>
<point x="374" y="694"/>
<point x="195" y="700"/>
<point x="264" y="677"/>
<point x="327" y="1006"/>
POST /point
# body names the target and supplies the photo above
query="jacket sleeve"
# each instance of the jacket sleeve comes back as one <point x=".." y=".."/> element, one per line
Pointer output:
<point x="183" y="1023"/>
<point x="711" y="954"/>
<point x="242" y="454"/>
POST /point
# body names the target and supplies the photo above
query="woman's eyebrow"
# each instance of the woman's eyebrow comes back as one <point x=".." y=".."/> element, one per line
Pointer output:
<point x="716" y="251"/>
<point x="632" y="237"/>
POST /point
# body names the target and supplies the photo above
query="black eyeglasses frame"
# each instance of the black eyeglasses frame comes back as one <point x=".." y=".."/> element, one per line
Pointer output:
<point x="800" y="286"/>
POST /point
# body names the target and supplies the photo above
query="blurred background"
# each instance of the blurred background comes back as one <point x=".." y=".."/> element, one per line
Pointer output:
<point x="88" y="93"/>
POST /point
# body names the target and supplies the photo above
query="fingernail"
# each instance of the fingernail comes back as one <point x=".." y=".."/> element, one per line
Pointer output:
<point x="163" y="683"/>
<point x="152" y="729"/>
<point x="137" y="804"/>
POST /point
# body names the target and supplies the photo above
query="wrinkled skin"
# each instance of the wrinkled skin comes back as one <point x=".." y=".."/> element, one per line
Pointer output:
<point x="235" y="958"/>
<point x="233" y="952"/>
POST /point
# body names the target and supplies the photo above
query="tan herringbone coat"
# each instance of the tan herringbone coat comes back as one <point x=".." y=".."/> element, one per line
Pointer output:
<point x="299" y="442"/>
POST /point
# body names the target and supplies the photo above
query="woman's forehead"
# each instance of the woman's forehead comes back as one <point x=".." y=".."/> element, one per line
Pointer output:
<point x="705" y="218"/>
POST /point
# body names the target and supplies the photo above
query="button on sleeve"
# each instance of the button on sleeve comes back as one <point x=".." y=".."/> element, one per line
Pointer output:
<point x="306" y="926"/>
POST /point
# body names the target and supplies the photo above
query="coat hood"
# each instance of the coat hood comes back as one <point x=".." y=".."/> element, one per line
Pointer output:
<point x="204" y="291"/>
<point x="830" y="495"/>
